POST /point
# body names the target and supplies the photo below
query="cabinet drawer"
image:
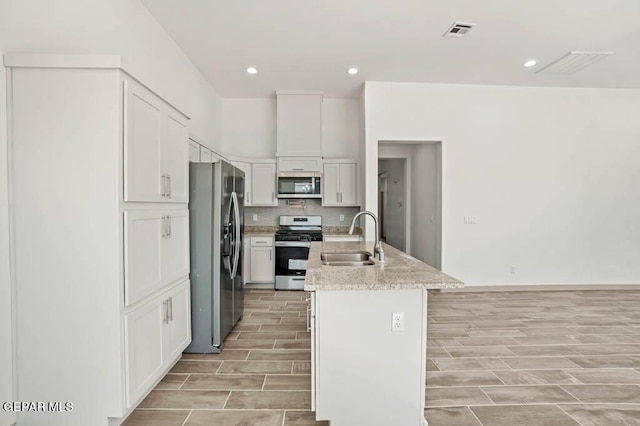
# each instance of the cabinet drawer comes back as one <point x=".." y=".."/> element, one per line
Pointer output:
<point x="299" y="164"/>
<point x="261" y="241"/>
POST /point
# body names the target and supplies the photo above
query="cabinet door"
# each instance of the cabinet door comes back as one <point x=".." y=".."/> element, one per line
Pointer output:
<point x="299" y="164"/>
<point x="262" y="267"/>
<point x="263" y="185"/>
<point x="247" y="261"/>
<point x="311" y="324"/>
<point x="175" y="247"/>
<point x="205" y="155"/>
<point x="330" y="185"/>
<point x="194" y="152"/>
<point x="246" y="168"/>
<point x="175" y="158"/>
<point x="177" y="329"/>
<point x="348" y="184"/>
<point x="144" y="235"/>
<point x="143" y="120"/>
<point x="144" y="348"/>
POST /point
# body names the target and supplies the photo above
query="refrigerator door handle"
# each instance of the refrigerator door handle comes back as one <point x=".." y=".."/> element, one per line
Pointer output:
<point x="236" y="234"/>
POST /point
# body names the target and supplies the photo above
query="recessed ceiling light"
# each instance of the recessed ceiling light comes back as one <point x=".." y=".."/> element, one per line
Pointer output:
<point x="352" y="71"/>
<point x="252" y="70"/>
<point x="530" y="63"/>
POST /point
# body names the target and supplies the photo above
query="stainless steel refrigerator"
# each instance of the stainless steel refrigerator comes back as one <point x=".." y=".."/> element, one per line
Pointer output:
<point x="216" y="213"/>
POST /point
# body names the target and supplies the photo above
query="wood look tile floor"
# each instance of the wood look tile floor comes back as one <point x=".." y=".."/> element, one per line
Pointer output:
<point x="494" y="358"/>
<point x="262" y="377"/>
<point x="534" y="358"/>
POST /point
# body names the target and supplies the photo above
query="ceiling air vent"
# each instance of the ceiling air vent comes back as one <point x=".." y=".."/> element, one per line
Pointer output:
<point x="458" y="30"/>
<point x="573" y="62"/>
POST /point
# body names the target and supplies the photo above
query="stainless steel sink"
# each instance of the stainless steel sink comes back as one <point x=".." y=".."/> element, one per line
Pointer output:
<point x="360" y="258"/>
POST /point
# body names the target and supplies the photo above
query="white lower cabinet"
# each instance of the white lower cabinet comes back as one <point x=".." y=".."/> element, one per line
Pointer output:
<point x="143" y="333"/>
<point x="246" y="264"/>
<point x="155" y="334"/>
<point x="263" y="260"/>
<point x="177" y="330"/>
<point x="156" y="250"/>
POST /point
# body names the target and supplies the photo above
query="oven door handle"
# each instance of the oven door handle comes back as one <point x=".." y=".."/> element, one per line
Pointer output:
<point x="292" y="244"/>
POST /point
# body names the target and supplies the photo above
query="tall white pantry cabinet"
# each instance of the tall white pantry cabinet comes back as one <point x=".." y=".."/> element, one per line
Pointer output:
<point x="100" y="244"/>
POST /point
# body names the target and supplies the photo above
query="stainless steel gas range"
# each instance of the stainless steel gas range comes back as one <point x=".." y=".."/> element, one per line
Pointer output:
<point x="293" y="241"/>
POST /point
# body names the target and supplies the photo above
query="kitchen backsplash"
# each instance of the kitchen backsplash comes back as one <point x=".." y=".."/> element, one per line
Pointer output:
<point x="268" y="216"/>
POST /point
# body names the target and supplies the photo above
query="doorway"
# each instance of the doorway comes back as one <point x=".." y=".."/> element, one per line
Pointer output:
<point x="392" y="183"/>
<point x="413" y="190"/>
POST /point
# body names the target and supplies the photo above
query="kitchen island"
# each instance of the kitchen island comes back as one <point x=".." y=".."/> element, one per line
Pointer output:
<point x="369" y="335"/>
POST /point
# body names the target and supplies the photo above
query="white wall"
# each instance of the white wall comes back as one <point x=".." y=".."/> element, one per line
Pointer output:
<point x="6" y="346"/>
<point x="424" y="204"/>
<point x="121" y="27"/>
<point x="551" y="175"/>
<point x="249" y="127"/>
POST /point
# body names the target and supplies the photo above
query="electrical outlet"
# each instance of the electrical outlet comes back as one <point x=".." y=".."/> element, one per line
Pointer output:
<point x="397" y="321"/>
<point x="470" y="220"/>
<point x="255" y="217"/>
<point x="513" y="269"/>
<point x="341" y="218"/>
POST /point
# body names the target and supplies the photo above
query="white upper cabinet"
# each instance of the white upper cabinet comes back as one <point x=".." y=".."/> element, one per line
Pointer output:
<point x="175" y="158"/>
<point x="299" y="164"/>
<point x="246" y="168"/>
<point x="348" y="185"/>
<point x="156" y="150"/>
<point x="299" y="124"/>
<point x="331" y="185"/>
<point x="142" y="144"/>
<point x="339" y="184"/>
<point x="263" y="184"/>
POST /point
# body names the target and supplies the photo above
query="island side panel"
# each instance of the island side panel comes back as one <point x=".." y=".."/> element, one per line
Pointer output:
<point x="367" y="373"/>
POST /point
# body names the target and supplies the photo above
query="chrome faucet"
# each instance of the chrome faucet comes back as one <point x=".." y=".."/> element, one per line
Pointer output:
<point x="377" y="248"/>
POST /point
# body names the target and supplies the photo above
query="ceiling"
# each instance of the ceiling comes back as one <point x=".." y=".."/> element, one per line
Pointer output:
<point x="309" y="44"/>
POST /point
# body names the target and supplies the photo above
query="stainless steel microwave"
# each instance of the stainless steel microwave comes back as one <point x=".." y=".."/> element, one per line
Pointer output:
<point x="299" y="185"/>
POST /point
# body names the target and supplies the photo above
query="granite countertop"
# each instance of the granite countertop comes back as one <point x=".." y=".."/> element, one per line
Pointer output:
<point x="269" y="231"/>
<point x="340" y="230"/>
<point x="259" y="231"/>
<point x="400" y="271"/>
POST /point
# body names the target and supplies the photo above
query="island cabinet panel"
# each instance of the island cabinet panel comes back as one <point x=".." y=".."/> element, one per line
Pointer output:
<point x="359" y="354"/>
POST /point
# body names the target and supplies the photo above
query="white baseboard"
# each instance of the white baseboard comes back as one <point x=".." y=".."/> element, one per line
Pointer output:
<point x="544" y="287"/>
